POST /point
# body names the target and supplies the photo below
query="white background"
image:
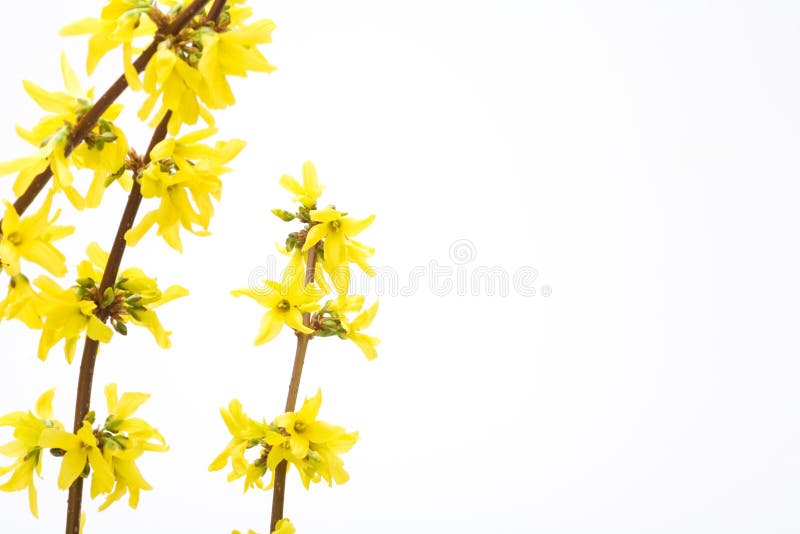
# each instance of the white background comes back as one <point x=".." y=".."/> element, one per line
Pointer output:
<point x="640" y="155"/>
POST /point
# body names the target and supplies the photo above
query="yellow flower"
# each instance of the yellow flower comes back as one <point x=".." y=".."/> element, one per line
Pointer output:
<point x="135" y="295"/>
<point x="26" y="447"/>
<point x="66" y="316"/>
<point x="79" y="449"/>
<point x="184" y="175"/>
<point x="308" y="193"/>
<point x="192" y="67"/>
<point x="231" y="53"/>
<point x="120" y="23"/>
<point x="22" y="302"/>
<point x="105" y="153"/>
<point x="286" y="301"/>
<point x="365" y="342"/>
<point x="245" y="433"/>
<point x="299" y="439"/>
<point x="50" y="136"/>
<point x="342" y="305"/>
<point x="311" y="446"/>
<point x="31" y="238"/>
<point x="284" y="526"/>
<point x="169" y="77"/>
<point x="303" y="427"/>
<point x="336" y="229"/>
<point x="125" y="439"/>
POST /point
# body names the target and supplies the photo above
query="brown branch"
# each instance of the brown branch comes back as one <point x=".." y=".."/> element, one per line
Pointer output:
<point x="279" y="488"/>
<point x="83" y="397"/>
<point x="87" y="122"/>
<point x="216" y="10"/>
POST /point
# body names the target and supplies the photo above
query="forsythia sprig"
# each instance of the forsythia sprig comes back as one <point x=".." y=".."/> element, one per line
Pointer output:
<point x="330" y="232"/>
<point x="66" y="314"/>
<point x="189" y="71"/>
<point x="310" y="445"/>
<point x="185" y="73"/>
<point x="107" y="452"/>
<point x="319" y="257"/>
<point x="103" y="151"/>
<point x="183" y="173"/>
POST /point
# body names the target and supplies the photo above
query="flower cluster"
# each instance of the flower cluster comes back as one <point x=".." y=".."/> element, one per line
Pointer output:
<point x="31" y="237"/>
<point x="183" y="173"/>
<point x="107" y="452"/>
<point x="189" y="71"/>
<point x="310" y="445"/>
<point x="66" y="314"/>
<point x="103" y="150"/>
<point x="328" y="235"/>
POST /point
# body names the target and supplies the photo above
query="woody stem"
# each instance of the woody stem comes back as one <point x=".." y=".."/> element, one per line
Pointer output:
<point x="279" y="488"/>
<point x="83" y="397"/>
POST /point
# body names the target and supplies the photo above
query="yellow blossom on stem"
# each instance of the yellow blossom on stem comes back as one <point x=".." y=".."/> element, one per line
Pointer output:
<point x="51" y="134"/>
<point x="336" y="229"/>
<point x="284" y="526"/>
<point x="299" y="439"/>
<point x="22" y="302"/>
<point x="124" y="440"/>
<point x="354" y="332"/>
<point x="303" y="427"/>
<point x="66" y="317"/>
<point x="120" y="22"/>
<point x="80" y="449"/>
<point x="356" y="252"/>
<point x="192" y="67"/>
<point x="245" y="433"/>
<point x="184" y="175"/>
<point x="286" y="301"/>
<point x="329" y="465"/>
<point x="309" y="192"/>
<point x="231" y="53"/>
<point x="26" y="447"/>
<point x="133" y="298"/>
<point x="31" y="238"/>
<point x="106" y="159"/>
<point x="168" y="77"/>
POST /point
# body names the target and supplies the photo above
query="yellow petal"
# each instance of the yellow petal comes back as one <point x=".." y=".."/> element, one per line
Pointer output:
<point x="72" y="465"/>
<point x="99" y="331"/>
<point x="70" y="78"/>
<point x="270" y="327"/>
<point x="44" y="405"/>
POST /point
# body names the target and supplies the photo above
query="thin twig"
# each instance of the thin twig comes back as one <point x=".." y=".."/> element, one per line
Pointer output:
<point x="83" y="397"/>
<point x="216" y="10"/>
<point x="279" y="488"/>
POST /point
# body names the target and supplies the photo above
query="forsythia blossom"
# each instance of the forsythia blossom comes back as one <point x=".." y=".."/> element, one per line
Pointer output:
<point x="286" y="301"/>
<point x="103" y="150"/>
<point x="312" y="446"/>
<point x="184" y="175"/>
<point x="69" y="312"/>
<point x="120" y="22"/>
<point x="329" y="234"/>
<point x="107" y="452"/>
<point x="307" y="193"/>
<point x="189" y="71"/>
<point x="27" y="447"/>
<point x="31" y="238"/>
